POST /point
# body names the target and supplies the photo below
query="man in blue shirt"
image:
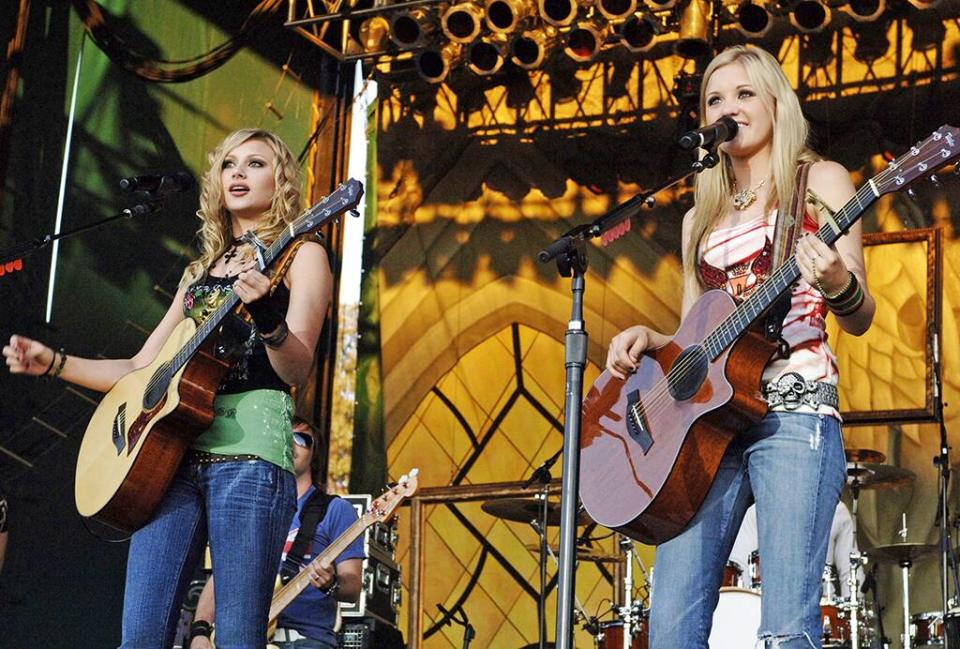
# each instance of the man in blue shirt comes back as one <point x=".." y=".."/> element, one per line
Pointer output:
<point x="308" y="622"/>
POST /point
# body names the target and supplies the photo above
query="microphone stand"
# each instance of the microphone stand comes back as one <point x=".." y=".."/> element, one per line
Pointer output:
<point x="542" y="475"/>
<point x="948" y="559"/>
<point x="29" y="247"/>
<point x="570" y="253"/>
<point x="468" y="631"/>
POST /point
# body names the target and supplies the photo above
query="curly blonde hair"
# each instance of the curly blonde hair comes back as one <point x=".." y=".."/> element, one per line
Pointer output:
<point x="215" y="230"/>
<point x="790" y="132"/>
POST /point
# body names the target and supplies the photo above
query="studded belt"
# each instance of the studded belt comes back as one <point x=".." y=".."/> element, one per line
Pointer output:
<point x="203" y="457"/>
<point x="792" y="391"/>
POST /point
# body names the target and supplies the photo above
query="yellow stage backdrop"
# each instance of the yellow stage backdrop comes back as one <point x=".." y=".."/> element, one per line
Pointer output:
<point x="471" y="327"/>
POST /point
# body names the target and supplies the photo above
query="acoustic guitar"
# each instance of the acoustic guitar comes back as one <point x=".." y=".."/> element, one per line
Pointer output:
<point x="650" y="446"/>
<point x="144" y="425"/>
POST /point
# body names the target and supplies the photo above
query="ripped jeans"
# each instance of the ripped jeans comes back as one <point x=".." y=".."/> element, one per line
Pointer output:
<point x="793" y="466"/>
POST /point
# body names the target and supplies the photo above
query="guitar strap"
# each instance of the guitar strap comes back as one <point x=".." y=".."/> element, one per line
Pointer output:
<point x="282" y="266"/>
<point x="314" y="511"/>
<point x="787" y="230"/>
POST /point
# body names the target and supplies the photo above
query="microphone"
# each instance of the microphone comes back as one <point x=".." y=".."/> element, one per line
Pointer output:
<point x="179" y="181"/>
<point x="723" y="130"/>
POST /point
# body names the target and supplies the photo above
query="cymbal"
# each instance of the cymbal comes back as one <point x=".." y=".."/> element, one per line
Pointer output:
<point x="526" y="510"/>
<point x="879" y="476"/>
<point x="900" y="552"/>
<point x="584" y="554"/>
<point x="862" y="455"/>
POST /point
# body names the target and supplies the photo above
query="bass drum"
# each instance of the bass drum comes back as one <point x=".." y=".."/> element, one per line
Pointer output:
<point x="736" y="619"/>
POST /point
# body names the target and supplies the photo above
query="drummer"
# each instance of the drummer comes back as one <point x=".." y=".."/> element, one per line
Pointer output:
<point x="842" y="542"/>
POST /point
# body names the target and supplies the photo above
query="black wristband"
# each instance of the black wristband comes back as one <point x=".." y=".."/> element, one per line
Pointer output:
<point x="53" y="359"/>
<point x="63" y="361"/>
<point x="266" y="316"/>
<point x="200" y="628"/>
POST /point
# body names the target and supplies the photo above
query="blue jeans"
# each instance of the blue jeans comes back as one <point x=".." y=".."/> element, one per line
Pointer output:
<point x="304" y="643"/>
<point x="245" y="508"/>
<point x="793" y="466"/>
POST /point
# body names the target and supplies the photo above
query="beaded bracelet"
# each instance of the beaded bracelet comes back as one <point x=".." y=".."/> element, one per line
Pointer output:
<point x="848" y="306"/>
<point x="840" y="295"/>
<point x="63" y="361"/>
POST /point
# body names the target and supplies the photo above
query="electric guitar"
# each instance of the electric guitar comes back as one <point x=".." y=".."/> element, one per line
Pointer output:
<point x="650" y="446"/>
<point x="380" y="511"/>
<point x="144" y="425"/>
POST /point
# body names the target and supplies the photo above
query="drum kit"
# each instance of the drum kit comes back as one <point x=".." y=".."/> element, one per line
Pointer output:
<point x="849" y="621"/>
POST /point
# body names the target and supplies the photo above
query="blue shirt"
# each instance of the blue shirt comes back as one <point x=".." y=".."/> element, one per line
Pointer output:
<point x="312" y="613"/>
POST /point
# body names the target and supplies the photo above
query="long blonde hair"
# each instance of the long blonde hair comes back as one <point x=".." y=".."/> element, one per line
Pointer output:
<point x="789" y="148"/>
<point x="215" y="230"/>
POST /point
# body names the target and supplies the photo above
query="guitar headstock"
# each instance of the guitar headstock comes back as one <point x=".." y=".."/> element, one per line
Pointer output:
<point x="942" y="147"/>
<point x="345" y="197"/>
<point x="383" y="507"/>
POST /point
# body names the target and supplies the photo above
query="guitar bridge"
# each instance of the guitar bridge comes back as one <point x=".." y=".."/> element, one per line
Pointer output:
<point x="119" y="426"/>
<point x="637" y="422"/>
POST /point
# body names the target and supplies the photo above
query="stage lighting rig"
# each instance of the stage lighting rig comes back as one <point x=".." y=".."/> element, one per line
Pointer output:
<point x="810" y="16"/>
<point x="584" y="41"/>
<point x="507" y="16"/>
<point x="529" y="49"/>
<point x="752" y="19"/>
<point x="461" y="23"/>
<point x="639" y="32"/>
<point x="616" y="10"/>
<point x="694" y="38"/>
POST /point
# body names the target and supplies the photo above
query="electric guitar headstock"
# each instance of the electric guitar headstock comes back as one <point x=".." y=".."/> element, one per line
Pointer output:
<point x="384" y="507"/>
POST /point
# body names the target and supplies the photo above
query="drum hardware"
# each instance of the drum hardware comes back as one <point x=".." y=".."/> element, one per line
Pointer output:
<point x="904" y="554"/>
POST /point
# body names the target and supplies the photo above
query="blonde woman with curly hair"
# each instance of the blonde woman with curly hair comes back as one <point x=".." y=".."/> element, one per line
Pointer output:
<point x="236" y="486"/>
<point x="791" y="463"/>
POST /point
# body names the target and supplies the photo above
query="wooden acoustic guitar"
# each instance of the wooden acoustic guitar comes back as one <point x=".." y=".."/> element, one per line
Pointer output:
<point x="650" y="446"/>
<point x="144" y="425"/>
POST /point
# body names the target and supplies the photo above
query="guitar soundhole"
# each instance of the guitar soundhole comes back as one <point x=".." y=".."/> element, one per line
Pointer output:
<point x="157" y="387"/>
<point x="688" y="373"/>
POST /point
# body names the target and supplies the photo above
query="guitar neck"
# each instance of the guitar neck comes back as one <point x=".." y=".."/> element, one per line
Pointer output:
<point x="782" y="278"/>
<point x="228" y="305"/>
<point x="289" y="592"/>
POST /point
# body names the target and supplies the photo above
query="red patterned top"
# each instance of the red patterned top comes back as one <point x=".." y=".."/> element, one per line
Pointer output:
<point x="737" y="259"/>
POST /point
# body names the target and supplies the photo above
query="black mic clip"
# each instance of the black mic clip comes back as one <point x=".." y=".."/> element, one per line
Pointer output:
<point x="158" y="184"/>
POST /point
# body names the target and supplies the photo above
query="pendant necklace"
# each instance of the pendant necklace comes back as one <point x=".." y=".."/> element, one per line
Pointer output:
<point x="745" y="197"/>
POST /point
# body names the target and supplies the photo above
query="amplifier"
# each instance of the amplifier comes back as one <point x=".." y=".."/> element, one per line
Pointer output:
<point x="380" y="592"/>
<point x="369" y="634"/>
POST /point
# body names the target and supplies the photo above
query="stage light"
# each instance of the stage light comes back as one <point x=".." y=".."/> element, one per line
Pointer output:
<point x="434" y="63"/>
<point x="753" y="19"/>
<point x="485" y="56"/>
<point x="865" y="11"/>
<point x="638" y="33"/>
<point x="923" y="5"/>
<point x="694" y="36"/>
<point x="559" y="13"/>
<point x="410" y="28"/>
<point x="461" y="22"/>
<point x="927" y="28"/>
<point x="661" y="5"/>
<point x="506" y="16"/>
<point x="616" y="10"/>
<point x="817" y="49"/>
<point x="872" y="41"/>
<point x="374" y="33"/>
<point x="810" y="16"/>
<point x="530" y="49"/>
<point x="584" y="40"/>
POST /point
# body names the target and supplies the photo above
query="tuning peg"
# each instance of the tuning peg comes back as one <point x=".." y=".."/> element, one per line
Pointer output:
<point x="935" y="180"/>
<point x="353" y="213"/>
<point x="912" y="194"/>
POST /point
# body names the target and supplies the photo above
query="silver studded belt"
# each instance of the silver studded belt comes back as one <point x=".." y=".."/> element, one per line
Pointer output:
<point x="792" y="391"/>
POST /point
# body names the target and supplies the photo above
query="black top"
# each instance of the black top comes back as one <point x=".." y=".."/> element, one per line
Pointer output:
<point x="252" y="370"/>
